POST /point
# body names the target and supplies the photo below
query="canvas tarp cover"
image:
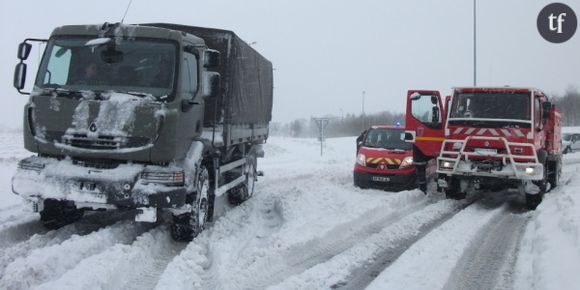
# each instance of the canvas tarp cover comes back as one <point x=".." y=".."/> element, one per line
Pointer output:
<point x="246" y="78"/>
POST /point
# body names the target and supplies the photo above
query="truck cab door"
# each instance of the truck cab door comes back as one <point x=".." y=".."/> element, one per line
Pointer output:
<point x="425" y="121"/>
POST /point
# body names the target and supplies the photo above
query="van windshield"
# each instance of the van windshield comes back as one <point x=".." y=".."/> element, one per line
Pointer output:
<point x="386" y="138"/>
<point x="142" y="66"/>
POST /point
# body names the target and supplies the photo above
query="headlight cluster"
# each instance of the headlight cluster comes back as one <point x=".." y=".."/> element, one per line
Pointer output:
<point x="27" y="164"/>
<point x="361" y="159"/>
<point x="170" y="178"/>
<point x="446" y="165"/>
<point x="407" y="161"/>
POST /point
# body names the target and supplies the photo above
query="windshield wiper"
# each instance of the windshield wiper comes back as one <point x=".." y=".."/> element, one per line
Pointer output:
<point x="61" y="91"/>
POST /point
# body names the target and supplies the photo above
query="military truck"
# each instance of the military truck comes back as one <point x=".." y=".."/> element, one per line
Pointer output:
<point x="149" y="117"/>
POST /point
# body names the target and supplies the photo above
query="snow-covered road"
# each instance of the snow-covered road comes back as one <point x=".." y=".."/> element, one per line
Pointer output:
<point x="307" y="227"/>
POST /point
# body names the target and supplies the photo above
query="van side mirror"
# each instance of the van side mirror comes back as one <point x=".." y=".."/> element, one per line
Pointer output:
<point x="20" y="76"/>
<point x="546" y="109"/>
<point x="211" y="58"/>
<point x="211" y="84"/>
<point x="24" y="50"/>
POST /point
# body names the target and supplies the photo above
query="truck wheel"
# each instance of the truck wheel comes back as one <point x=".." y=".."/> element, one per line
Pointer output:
<point x="533" y="200"/>
<point x="57" y="213"/>
<point x="244" y="191"/>
<point x="187" y="226"/>
<point x="453" y="190"/>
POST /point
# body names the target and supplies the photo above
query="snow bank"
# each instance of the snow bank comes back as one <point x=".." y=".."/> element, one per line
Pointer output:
<point x="550" y="256"/>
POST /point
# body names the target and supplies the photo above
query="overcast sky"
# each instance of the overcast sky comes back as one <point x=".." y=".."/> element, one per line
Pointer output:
<point x="326" y="53"/>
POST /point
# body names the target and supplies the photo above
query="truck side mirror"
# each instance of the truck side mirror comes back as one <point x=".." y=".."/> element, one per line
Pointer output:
<point x="24" y="50"/>
<point x="211" y="84"/>
<point x="20" y="76"/>
<point x="546" y="109"/>
<point x="211" y="58"/>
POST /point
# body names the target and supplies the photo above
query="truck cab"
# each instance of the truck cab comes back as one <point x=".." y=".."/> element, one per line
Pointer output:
<point x="384" y="160"/>
<point x="488" y="138"/>
<point x="149" y="117"/>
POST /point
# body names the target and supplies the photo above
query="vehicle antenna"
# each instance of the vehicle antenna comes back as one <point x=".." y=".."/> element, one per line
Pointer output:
<point x="126" y="10"/>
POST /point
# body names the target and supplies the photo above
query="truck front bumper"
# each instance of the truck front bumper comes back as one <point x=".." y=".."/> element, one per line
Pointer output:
<point x="39" y="178"/>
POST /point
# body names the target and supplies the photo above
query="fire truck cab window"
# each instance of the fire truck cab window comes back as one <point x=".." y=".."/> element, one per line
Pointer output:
<point x="426" y="110"/>
<point x="538" y="113"/>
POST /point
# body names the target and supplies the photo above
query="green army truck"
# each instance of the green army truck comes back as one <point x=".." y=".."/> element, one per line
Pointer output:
<point x="149" y="117"/>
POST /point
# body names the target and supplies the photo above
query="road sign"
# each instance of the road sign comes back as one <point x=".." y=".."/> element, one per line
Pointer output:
<point x="322" y="123"/>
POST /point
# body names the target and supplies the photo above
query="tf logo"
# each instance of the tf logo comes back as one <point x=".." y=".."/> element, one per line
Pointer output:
<point x="557" y="23"/>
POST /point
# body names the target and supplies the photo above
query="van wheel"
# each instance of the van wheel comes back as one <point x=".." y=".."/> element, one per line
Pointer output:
<point x="57" y="213"/>
<point x="189" y="225"/>
<point x="244" y="191"/>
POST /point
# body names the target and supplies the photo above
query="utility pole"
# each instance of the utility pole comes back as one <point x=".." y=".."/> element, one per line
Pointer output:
<point x="363" y="111"/>
<point x="474" y="43"/>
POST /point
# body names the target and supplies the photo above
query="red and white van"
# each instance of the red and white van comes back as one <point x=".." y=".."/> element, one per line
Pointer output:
<point x="384" y="159"/>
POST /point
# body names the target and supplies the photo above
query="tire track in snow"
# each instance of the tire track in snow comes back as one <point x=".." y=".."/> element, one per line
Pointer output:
<point x="81" y="228"/>
<point x="275" y="267"/>
<point x="363" y="276"/>
<point x="48" y="263"/>
<point x="489" y="262"/>
<point x="122" y="266"/>
<point x="432" y="260"/>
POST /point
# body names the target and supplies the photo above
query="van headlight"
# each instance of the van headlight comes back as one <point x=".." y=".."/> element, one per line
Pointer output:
<point x="408" y="161"/>
<point x="361" y="159"/>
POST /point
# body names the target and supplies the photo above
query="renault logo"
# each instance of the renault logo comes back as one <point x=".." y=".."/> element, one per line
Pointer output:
<point x="93" y="127"/>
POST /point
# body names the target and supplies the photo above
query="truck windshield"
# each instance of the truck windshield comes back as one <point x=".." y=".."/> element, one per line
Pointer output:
<point x="136" y="66"/>
<point x="491" y="105"/>
<point x="387" y="139"/>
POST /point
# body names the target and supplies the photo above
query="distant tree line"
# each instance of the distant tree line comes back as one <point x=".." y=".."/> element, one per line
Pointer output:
<point x="569" y="105"/>
<point x="349" y="125"/>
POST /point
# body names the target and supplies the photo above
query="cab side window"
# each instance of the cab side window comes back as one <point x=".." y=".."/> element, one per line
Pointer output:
<point x="189" y="75"/>
<point x="538" y="113"/>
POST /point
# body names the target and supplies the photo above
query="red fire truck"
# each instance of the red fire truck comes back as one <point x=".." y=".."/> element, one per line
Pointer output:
<point x="486" y="138"/>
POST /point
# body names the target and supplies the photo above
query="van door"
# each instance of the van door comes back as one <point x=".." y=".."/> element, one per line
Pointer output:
<point x="425" y="121"/>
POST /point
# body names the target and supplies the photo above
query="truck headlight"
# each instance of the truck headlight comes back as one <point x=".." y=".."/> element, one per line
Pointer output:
<point x="408" y="161"/>
<point x="446" y="165"/>
<point x="170" y="178"/>
<point x="361" y="159"/>
<point x="529" y="170"/>
<point x="27" y="164"/>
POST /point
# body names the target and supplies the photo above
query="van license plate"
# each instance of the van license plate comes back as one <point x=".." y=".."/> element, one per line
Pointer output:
<point x="381" y="179"/>
<point x="485" y="151"/>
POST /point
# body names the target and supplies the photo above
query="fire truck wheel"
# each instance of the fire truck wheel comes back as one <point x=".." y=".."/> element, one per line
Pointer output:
<point x="533" y="200"/>
<point x="57" y="214"/>
<point x="453" y="191"/>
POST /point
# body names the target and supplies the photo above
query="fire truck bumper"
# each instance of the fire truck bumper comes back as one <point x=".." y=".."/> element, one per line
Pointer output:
<point x="490" y="168"/>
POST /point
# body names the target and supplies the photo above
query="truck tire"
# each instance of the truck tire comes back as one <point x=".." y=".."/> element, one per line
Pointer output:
<point x="453" y="190"/>
<point x="189" y="225"/>
<point x="245" y="191"/>
<point x="533" y="200"/>
<point x="57" y="213"/>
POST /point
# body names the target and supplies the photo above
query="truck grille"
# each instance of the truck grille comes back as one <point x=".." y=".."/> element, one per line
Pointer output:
<point x="394" y="166"/>
<point x="96" y="163"/>
<point x="101" y="142"/>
